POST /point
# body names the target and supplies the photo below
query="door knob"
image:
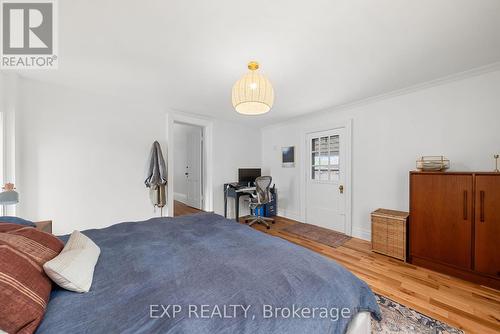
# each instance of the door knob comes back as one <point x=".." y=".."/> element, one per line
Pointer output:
<point x="341" y="189"/>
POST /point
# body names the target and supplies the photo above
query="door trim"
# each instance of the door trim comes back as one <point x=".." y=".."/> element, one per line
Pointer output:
<point x="195" y="204"/>
<point x="347" y="125"/>
<point x="207" y="160"/>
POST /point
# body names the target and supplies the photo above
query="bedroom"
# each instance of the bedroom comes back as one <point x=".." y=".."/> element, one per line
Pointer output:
<point x="393" y="81"/>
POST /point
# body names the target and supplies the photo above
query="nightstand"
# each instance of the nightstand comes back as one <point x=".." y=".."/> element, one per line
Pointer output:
<point x="44" y="226"/>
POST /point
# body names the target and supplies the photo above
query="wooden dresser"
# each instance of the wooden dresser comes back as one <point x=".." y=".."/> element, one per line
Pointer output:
<point x="455" y="224"/>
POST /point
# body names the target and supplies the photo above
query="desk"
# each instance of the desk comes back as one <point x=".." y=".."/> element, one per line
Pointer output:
<point x="236" y="192"/>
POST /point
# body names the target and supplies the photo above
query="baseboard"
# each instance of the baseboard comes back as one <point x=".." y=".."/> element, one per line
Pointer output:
<point x="465" y="274"/>
<point x="361" y="233"/>
<point x="290" y="215"/>
<point x="357" y="232"/>
<point x="180" y="197"/>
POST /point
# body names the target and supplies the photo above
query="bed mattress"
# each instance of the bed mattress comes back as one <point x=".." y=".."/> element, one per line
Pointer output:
<point x="248" y="282"/>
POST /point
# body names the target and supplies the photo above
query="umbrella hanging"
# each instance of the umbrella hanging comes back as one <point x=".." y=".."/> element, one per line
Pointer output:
<point x="156" y="177"/>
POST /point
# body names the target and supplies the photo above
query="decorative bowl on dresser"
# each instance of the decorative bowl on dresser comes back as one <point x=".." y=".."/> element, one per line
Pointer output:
<point x="455" y="224"/>
<point x="389" y="233"/>
<point x="433" y="163"/>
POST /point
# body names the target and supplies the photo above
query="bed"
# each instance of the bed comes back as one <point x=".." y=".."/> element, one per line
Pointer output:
<point x="147" y="271"/>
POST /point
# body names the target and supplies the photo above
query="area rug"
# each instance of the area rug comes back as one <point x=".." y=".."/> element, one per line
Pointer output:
<point x="397" y="318"/>
<point x="319" y="234"/>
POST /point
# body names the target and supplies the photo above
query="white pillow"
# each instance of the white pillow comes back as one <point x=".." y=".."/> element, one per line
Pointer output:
<point x="73" y="268"/>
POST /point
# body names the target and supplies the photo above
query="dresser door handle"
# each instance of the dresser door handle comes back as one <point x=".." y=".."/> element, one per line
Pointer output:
<point x="465" y="205"/>
<point x="481" y="206"/>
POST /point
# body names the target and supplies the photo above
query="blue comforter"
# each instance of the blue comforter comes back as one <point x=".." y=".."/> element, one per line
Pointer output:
<point x="206" y="274"/>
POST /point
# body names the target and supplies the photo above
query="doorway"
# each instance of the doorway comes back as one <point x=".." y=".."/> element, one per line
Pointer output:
<point x="188" y="165"/>
<point x="327" y="200"/>
<point x="173" y="118"/>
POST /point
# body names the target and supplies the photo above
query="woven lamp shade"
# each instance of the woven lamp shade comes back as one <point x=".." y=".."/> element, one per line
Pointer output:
<point x="253" y="94"/>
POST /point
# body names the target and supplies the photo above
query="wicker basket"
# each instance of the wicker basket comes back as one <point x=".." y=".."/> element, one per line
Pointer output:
<point x="389" y="233"/>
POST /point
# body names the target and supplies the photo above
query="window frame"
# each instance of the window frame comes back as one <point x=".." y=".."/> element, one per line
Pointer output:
<point x="316" y="149"/>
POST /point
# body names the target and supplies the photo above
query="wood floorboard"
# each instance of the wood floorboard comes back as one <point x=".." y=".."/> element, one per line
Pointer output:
<point x="469" y="306"/>
<point x="181" y="209"/>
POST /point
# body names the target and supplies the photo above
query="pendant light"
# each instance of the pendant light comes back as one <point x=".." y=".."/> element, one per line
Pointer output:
<point x="253" y="94"/>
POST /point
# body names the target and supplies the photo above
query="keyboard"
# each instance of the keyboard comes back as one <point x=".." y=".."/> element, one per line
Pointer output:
<point x="245" y="190"/>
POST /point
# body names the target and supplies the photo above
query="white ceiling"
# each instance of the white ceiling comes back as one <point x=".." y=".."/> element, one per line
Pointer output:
<point x="186" y="54"/>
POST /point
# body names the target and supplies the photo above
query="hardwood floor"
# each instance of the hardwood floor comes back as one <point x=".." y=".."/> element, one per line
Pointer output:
<point x="181" y="209"/>
<point x="471" y="307"/>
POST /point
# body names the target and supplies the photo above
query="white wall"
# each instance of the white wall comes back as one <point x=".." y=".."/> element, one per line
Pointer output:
<point x="235" y="146"/>
<point x="82" y="157"/>
<point x="459" y="119"/>
<point x="3" y="109"/>
<point x="8" y="106"/>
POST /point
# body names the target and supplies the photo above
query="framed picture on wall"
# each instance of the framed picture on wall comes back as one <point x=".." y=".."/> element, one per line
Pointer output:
<point x="288" y="156"/>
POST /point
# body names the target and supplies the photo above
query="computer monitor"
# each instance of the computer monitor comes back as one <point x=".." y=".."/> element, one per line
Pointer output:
<point x="248" y="175"/>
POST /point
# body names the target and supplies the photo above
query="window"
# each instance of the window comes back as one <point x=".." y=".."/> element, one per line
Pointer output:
<point x="325" y="158"/>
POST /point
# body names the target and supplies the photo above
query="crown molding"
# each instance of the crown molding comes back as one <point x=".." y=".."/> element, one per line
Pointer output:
<point x="398" y="92"/>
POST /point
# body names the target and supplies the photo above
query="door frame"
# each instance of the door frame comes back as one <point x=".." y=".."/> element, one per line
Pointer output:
<point x="206" y="163"/>
<point x="304" y="163"/>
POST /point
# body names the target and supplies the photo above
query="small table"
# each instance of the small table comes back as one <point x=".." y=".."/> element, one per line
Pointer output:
<point x="236" y="192"/>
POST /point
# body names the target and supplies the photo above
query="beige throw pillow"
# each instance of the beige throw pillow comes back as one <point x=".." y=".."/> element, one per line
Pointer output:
<point x="73" y="268"/>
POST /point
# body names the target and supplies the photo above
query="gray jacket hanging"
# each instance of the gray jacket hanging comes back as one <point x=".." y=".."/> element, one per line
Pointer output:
<point x="156" y="176"/>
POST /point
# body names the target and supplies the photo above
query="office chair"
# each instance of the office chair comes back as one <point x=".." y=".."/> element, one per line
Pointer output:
<point x="258" y="200"/>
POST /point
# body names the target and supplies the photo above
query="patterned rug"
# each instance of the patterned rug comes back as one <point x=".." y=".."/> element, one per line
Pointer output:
<point x="319" y="234"/>
<point x="397" y="318"/>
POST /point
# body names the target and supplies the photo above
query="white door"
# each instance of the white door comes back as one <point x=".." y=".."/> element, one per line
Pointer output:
<point x="194" y="168"/>
<point x="325" y="184"/>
